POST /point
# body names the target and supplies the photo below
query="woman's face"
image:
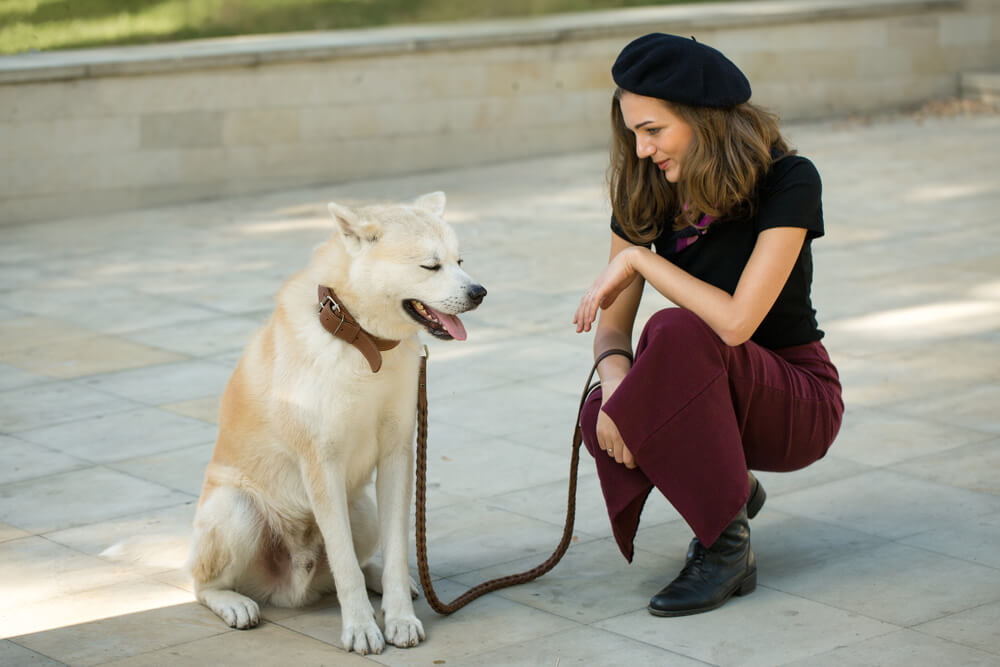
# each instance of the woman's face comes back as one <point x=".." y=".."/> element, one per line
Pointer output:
<point x="660" y="134"/>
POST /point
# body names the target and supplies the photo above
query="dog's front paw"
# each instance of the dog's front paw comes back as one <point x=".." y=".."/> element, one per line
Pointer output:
<point x="404" y="632"/>
<point x="363" y="638"/>
<point x="238" y="611"/>
<point x="242" y="615"/>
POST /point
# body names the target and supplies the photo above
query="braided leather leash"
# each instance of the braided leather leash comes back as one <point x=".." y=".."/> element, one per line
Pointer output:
<point x="421" y="510"/>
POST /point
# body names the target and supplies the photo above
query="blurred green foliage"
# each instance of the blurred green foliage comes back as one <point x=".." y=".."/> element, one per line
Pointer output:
<point x="62" y="24"/>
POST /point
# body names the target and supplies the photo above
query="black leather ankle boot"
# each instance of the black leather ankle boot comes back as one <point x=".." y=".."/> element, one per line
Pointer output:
<point x="711" y="575"/>
<point x="757" y="496"/>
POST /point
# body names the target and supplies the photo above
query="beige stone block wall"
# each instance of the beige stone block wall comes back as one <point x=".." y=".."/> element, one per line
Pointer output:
<point x="177" y="128"/>
<point x="181" y="129"/>
<point x="73" y="136"/>
<point x="965" y="29"/>
<point x="261" y="126"/>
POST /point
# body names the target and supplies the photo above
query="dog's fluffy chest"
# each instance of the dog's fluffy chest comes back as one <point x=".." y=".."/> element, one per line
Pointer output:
<point x="343" y="405"/>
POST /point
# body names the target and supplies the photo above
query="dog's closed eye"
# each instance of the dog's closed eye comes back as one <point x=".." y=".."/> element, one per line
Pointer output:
<point x="432" y="267"/>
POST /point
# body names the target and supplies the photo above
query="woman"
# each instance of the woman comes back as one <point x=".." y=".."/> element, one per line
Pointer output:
<point x="736" y="377"/>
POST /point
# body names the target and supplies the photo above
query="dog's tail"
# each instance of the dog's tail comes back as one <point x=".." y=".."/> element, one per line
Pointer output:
<point x="159" y="551"/>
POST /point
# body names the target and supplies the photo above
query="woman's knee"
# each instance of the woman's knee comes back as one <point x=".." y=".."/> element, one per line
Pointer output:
<point x="677" y="325"/>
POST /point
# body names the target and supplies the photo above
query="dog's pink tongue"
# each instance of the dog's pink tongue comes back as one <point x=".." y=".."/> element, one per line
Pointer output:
<point x="452" y="324"/>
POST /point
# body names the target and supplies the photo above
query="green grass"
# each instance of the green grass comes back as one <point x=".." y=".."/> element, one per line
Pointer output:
<point x="43" y="25"/>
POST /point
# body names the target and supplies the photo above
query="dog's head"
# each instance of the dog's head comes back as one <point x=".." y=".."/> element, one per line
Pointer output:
<point x="405" y="267"/>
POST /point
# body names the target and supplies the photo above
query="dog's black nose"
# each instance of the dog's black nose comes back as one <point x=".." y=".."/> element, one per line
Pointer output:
<point x="476" y="293"/>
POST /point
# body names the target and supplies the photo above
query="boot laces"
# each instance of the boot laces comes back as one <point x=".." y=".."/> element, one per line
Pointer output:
<point x="694" y="564"/>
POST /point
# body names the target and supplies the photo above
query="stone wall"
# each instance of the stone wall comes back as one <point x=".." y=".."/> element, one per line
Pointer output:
<point x="107" y="129"/>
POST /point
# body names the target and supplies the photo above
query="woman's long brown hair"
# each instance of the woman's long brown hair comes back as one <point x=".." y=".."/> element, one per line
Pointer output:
<point x="730" y="152"/>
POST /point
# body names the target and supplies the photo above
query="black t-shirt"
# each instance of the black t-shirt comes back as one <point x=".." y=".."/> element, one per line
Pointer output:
<point x="788" y="196"/>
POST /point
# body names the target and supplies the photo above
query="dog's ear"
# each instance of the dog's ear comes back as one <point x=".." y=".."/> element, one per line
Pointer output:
<point x="433" y="202"/>
<point x="355" y="231"/>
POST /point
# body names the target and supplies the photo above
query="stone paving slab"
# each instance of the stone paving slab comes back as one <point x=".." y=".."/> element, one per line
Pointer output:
<point x="117" y="335"/>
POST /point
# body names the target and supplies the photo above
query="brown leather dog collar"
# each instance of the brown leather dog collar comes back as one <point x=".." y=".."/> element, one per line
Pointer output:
<point x="336" y="319"/>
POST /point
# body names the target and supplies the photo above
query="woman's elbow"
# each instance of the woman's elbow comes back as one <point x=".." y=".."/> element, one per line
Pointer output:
<point x="736" y="334"/>
<point x="734" y="340"/>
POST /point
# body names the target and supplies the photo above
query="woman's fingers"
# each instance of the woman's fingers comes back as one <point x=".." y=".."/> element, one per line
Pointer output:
<point x="609" y="438"/>
<point x="586" y="312"/>
<point x="580" y="319"/>
<point x="627" y="459"/>
<point x="606" y="433"/>
<point x="612" y="281"/>
<point x="619" y="448"/>
<point x="622" y="454"/>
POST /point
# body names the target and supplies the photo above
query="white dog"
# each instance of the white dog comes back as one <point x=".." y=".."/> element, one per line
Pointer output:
<point x="325" y="394"/>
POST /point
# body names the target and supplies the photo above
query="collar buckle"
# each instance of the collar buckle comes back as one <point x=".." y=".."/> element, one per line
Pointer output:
<point x="334" y="309"/>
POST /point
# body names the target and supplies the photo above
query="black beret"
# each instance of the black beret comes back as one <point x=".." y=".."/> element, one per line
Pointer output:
<point x="681" y="70"/>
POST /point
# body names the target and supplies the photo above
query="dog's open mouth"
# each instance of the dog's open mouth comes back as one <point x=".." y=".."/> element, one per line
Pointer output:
<point x="438" y="324"/>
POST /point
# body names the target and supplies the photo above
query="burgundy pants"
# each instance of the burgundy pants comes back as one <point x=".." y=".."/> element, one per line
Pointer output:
<point x="696" y="414"/>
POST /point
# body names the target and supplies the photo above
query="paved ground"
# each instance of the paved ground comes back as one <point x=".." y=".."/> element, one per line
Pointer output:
<point x="119" y="332"/>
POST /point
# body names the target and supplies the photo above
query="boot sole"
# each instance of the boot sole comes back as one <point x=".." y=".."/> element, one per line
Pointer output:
<point x="746" y="587"/>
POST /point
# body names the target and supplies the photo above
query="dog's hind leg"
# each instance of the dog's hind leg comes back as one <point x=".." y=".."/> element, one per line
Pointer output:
<point x="227" y="534"/>
<point x="305" y="573"/>
<point x="301" y="568"/>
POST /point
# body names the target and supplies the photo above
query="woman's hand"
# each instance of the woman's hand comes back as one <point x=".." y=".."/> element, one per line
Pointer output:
<point x="608" y="437"/>
<point x="610" y="440"/>
<point x="613" y="280"/>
